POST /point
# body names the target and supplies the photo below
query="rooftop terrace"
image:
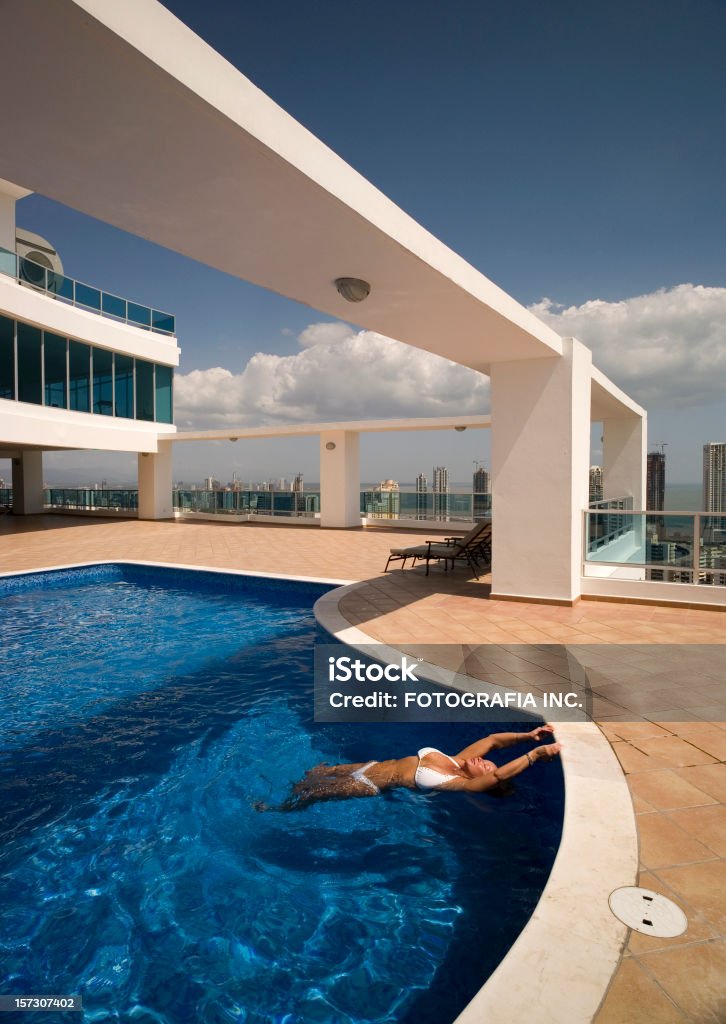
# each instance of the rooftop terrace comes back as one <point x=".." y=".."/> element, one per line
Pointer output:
<point x="670" y="739"/>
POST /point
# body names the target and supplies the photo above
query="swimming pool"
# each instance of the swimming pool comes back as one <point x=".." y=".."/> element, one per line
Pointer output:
<point x="145" y="710"/>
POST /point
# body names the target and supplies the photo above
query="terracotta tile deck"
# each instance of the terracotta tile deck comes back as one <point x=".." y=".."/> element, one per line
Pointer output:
<point x="668" y="728"/>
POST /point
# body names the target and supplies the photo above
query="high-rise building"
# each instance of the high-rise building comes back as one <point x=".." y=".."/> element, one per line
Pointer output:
<point x="481" y="489"/>
<point x="714" y="477"/>
<point x="384" y="502"/>
<point x="596" y="491"/>
<point x="298" y="483"/>
<point x="422" y="487"/>
<point x="441" y="492"/>
<point x="655" y="482"/>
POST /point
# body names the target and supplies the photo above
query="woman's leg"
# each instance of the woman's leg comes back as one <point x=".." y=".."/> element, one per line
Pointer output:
<point x="326" y="782"/>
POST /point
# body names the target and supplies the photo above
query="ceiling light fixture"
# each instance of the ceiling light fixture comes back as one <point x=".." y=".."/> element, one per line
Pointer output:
<point x="353" y="289"/>
<point x="460" y="430"/>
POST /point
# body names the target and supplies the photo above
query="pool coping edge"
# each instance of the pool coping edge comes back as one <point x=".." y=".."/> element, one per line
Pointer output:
<point x="572" y="943"/>
<point x="573" y="907"/>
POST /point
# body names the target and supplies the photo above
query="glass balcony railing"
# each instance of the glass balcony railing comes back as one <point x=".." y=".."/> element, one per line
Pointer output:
<point x="669" y="547"/>
<point x="85" y="296"/>
<point x="91" y="498"/>
<point x="444" y="506"/>
<point x="450" y="507"/>
<point x="264" y="503"/>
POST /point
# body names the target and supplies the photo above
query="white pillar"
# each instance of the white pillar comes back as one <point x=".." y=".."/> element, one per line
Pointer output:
<point x="540" y="463"/>
<point x="28" y="483"/>
<point x="624" y="458"/>
<point x="9" y="195"/>
<point x="155" y="483"/>
<point x="339" y="478"/>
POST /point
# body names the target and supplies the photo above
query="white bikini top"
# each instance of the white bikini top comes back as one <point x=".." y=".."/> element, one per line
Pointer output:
<point x="432" y="778"/>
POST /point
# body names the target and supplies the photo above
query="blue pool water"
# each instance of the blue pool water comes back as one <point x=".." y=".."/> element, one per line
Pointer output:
<point x="143" y="712"/>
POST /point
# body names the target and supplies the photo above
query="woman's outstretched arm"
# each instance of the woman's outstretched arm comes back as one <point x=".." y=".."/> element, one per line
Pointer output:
<point x="512" y="768"/>
<point x="499" y="740"/>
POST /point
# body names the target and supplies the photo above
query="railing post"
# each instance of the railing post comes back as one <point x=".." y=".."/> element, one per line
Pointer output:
<point x="696" y="555"/>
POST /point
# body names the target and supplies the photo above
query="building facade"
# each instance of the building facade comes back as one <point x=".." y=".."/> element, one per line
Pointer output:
<point x="440" y="492"/>
<point x="481" y="493"/>
<point x="714" y="477"/>
<point x="596" y="484"/>
<point x="80" y="368"/>
<point x="655" y="482"/>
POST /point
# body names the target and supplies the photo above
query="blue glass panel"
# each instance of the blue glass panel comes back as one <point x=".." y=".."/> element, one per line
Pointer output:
<point x="139" y="314"/>
<point x="102" y="382"/>
<point x="32" y="273"/>
<point x="144" y="390"/>
<point x="79" y="376"/>
<point x="54" y="353"/>
<point x="7" y="357"/>
<point x="162" y="322"/>
<point x="124" y="386"/>
<point x="87" y="296"/>
<point x="64" y="287"/>
<point x="113" y="305"/>
<point x="29" y="367"/>
<point x="164" y="409"/>
<point x="8" y="263"/>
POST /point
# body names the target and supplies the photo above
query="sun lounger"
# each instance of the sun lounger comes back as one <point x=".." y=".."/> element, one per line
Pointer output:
<point x="471" y="548"/>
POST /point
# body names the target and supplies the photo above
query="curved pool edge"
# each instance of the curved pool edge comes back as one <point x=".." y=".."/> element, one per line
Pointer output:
<point x="572" y="944"/>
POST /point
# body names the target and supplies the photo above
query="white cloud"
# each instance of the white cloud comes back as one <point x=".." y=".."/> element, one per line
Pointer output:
<point x="340" y="374"/>
<point x="665" y="348"/>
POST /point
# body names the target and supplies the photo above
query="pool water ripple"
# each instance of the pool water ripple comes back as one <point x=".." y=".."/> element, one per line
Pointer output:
<point x="135" y="869"/>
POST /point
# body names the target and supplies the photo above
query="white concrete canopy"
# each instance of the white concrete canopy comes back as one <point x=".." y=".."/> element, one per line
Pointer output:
<point x="358" y="426"/>
<point x="157" y="134"/>
<point x="150" y="130"/>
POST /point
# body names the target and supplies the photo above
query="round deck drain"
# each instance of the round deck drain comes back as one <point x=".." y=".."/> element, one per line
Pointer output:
<point x="648" y="912"/>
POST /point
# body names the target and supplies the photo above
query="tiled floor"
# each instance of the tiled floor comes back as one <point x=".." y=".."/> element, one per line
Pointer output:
<point x="664" y="711"/>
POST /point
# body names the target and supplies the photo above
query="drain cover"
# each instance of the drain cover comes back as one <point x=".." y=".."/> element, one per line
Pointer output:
<point x="648" y="912"/>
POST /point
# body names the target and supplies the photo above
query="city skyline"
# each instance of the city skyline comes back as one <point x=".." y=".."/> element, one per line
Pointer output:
<point x="622" y="250"/>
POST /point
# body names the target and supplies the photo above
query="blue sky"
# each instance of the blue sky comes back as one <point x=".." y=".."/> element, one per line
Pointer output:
<point x="571" y="152"/>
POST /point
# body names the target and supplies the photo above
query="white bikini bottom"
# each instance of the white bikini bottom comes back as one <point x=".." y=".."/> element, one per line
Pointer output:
<point x="360" y="776"/>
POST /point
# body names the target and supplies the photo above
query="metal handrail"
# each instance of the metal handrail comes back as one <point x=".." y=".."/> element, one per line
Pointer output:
<point x="85" y="296"/>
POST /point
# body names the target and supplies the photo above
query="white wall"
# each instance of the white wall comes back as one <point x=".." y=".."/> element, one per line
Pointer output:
<point x="24" y="424"/>
<point x="540" y="464"/>
<point x="37" y="308"/>
<point x="624" y="448"/>
<point x="340" y="478"/>
<point x="155" y="484"/>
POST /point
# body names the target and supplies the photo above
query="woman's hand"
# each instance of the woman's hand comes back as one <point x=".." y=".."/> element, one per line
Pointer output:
<point x="547" y="752"/>
<point x="540" y="733"/>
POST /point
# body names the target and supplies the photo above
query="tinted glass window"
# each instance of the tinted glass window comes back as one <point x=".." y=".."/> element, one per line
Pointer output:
<point x="102" y="382"/>
<point x="79" y="376"/>
<point x="54" y="351"/>
<point x="144" y="390"/>
<point x="29" y="369"/>
<point x="7" y="358"/>
<point x="124" y="387"/>
<point x="164" y="410"/>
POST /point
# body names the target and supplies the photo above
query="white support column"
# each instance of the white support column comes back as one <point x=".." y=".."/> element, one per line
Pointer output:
<point x="28" y="483"/>
<point x="540" y="463"/>
<point x="155" y="483"/>
<point x="9" y="195"/>
<point x="340" y="478"/>
<point x="624" y="458"/>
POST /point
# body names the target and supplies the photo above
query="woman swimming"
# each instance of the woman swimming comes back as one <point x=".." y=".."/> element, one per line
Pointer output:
<point x="467" y="772"/>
